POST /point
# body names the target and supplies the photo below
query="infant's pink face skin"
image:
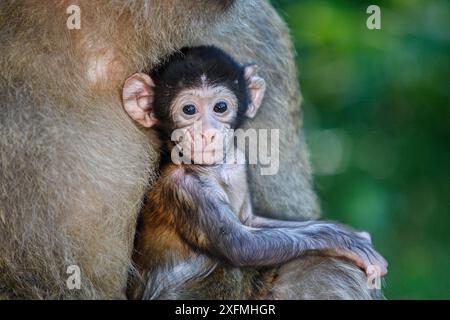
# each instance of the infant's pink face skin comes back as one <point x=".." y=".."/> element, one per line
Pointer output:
<point x="205" y="116"/>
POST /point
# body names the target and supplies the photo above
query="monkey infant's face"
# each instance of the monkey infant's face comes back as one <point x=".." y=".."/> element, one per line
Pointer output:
<point x="203" y="118"/>
<point x="199" y="119"/>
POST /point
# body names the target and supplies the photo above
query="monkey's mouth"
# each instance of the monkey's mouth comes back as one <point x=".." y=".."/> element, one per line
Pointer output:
<point x="207" y="156"/>
<point x="203" y="156"/>
<point x="203" y="151"/>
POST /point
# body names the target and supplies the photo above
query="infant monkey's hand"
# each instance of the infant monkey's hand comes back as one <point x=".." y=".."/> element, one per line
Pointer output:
<point x="356" y="246"/>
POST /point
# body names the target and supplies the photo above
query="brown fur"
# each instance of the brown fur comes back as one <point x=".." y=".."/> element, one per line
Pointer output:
<point x="161" y="245"/>
<point x="74" y="167"/>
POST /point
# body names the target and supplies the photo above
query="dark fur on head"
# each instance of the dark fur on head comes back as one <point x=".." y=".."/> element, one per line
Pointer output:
<point x="184" y="69"/>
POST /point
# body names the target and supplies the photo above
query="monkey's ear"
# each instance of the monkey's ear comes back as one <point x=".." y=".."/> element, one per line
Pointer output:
<point x="256" y="88"/>
<point x="137" y="97"/>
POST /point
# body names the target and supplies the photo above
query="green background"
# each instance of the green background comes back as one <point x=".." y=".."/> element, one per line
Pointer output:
<point x="377" y="122"/>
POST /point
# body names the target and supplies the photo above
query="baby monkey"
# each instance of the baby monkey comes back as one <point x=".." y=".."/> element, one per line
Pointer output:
<point x="198" y="217"/>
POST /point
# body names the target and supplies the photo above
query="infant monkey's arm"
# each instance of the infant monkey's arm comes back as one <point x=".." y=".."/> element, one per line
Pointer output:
<point x="204" y="218"/>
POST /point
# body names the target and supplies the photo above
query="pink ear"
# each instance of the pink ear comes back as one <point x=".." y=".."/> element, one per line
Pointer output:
<point x="137" y="97"/>
<point x="256" y="87"/>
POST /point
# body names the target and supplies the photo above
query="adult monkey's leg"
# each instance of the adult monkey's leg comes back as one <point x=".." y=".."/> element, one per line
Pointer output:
<point x="259" y="35"/>
<point x="319" y="277"/>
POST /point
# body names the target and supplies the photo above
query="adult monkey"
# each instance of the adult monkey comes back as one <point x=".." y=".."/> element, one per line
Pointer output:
<point x="74" y="167"/>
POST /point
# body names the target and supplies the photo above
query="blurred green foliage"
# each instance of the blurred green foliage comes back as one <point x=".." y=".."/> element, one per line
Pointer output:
<point x="377" y="121"/>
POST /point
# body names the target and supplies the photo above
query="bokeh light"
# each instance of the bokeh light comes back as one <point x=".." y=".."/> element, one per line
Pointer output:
<point x="377" y="121"/>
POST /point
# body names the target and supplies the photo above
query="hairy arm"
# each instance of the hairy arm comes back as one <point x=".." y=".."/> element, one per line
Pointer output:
<point x="204" y="218"/>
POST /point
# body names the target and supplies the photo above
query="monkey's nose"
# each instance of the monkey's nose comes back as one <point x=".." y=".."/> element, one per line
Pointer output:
<point x="208" y="138"/>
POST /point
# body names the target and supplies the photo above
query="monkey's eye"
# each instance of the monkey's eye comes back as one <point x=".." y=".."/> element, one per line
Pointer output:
<point x="220" y="107"/>
<point x="189" y="109"/>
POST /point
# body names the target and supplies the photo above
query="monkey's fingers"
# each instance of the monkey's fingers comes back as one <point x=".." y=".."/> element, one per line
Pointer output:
<point x="347" y="254"/>
<point x="378" y="262"/>
<point x="374" y="262"/>
<point x="369" y="262"/>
